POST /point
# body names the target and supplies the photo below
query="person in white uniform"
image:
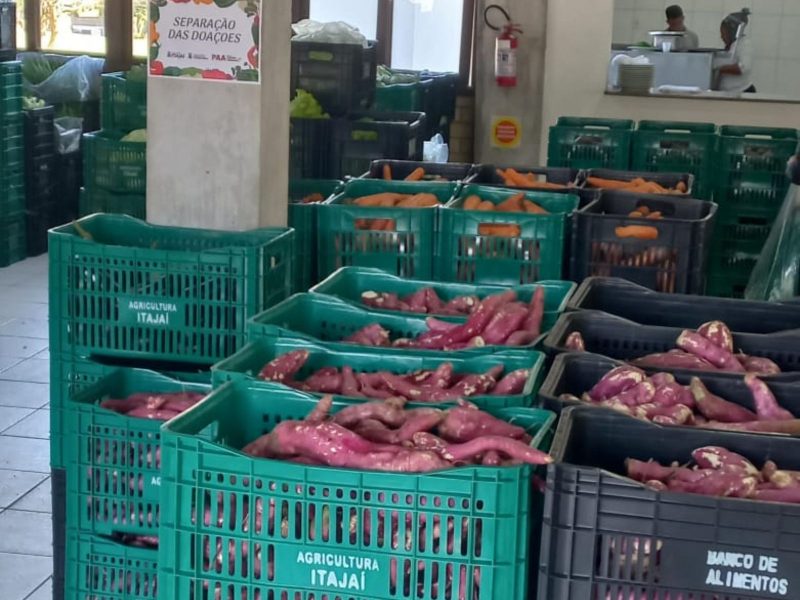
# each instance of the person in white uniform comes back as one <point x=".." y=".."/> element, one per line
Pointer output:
<point x="734" y="70"/>
<point x="676" y="21"/>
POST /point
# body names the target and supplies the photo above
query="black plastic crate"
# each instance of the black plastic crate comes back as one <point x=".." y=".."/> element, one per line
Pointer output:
<point x="578" y="372"/>
<point x="37" y="223"/>
<point x="340" y="76"/>
<point x="70" y="180"/>
<point x="644" y="306"/>
<point x="41" y="179"/>
<point x="607" y="536"/>
<point x="433" y="171"/>
<point x="364" y="137"/>
<point x="58" y="495"/>
<point x="675" y="262"/>
<point x="310" y="147"/>
<point x="619" y="338"/>
<point x="39" y="130"/>
<point x="666" y="180"/>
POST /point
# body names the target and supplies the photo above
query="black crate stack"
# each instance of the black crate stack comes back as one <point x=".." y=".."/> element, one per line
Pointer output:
<point x="12" y="166"/>
<point x="41" y="177"/>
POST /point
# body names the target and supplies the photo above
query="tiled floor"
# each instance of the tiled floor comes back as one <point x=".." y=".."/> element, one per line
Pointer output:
<point x="25" y="527"/>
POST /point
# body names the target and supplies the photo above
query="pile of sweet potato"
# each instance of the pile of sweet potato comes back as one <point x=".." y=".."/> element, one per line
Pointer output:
<point x="153" y="406"/>
<point x="722" y="473"/>
<point x="660" y="399"/>
<point x="385" y="436"/>
<point x="637" y="186"/>
<point x="427" y="301"/>
<point x="498" y="320"/>
<point x="710" y="348"/>
<point x="439" y="385"/>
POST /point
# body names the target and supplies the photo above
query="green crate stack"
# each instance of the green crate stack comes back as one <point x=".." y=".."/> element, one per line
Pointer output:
<point x="115" y="171"/>
<point x="202" y="463"/>
<point x="750" y="185"/>
<point x="677" y="147"/>
<point x="304" y="200"/>
<point x="13" y="242"/>
<point x="590" y="143"/>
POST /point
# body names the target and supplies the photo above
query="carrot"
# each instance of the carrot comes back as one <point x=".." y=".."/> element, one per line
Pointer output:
<point x="419" y="201"/>
<point x="472" y="202"/>
<point x="387" y="172"/>
<point x="681" y="187"/>
<point x="644" y="210"/>
<point x="655" y="216"/>
<point x="636" y="214"/>
<point x="512" y="204"/>
<point x="502" y="175"/>
<point x="533" y="208"/>
<point x="383" y="199"/>
<point x="642" y="232"/>
<point x="608" y="184"/>
<point x="517" y="179"/>
<point x="486" y="206"/>
<point x="313" y="198"/>
<point x="499" y="230"/>
<point x="546" y="185"/>
<point x="416" y="175"/>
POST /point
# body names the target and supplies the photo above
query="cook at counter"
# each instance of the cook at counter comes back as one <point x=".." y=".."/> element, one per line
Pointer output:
<point x="676" y="21"/>
<point x="733" y="68"/>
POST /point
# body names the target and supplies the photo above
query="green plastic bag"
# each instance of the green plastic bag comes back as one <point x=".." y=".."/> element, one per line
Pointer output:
<point x="777" y="274"/>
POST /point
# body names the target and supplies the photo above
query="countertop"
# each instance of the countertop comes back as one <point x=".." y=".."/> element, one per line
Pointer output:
<point x="712" y="95"/>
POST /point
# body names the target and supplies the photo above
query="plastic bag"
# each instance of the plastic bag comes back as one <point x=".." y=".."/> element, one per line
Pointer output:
<point x="336" y="32"/>
<point x="777" y="274"/>
<point x="436" y="150"/>
<point x="68" y="134"/>
<point x="77" y="80"/>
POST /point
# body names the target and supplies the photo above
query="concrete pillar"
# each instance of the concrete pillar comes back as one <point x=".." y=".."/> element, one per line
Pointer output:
<point x="523" y="102"/>
<point x="217" y="153"/>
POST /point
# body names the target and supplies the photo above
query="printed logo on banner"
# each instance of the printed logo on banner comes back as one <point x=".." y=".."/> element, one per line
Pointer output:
<point x="215" y="40"/>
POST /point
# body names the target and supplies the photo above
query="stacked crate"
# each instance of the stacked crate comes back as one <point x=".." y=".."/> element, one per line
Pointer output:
<point x="42" y="206"/>
<point x="12" y="166"/>
<point x="126" y="294"/>
<point x="750" y="186"/>
<point x="590" y="143"/>
<point x="115" y="171"/>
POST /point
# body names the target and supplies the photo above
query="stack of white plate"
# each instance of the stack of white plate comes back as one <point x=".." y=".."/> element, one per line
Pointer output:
<point x="636" y="79"/>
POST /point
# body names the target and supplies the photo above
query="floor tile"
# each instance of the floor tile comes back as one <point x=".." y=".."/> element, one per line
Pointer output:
<point x="26" y="532"/>
<point x="21" y="575"/>
<point x="21" y="309"/>
<point x="35" y="425"/>
<point x="6" y="362"/>
<point x="24" y="454"/>
<point x="10" y="416"/>
<point x="36" y="500"/>
<point x="16" y="484"/>
<point x="24" y="394"/>
<point x="31" y="370"/>
<point x="44" y="354"/>
<point x="20" y="347"/>
<point x="44" y="592"/>
<point x="35" y="328"/>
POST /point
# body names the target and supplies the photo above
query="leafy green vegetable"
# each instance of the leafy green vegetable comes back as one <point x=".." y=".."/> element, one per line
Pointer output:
<point x="305" y="106"/>
<point x="36" y="68"/>
<point x="138" y="135"/>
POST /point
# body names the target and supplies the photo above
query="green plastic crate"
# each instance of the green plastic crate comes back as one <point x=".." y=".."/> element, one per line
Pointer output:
<point x="741" y="233"/>
<point x="759" y="200"/>
<point x="303" y="219"/>
<point x="113" y="462"/>
<point x="400" y="96"/>
<point x="753" y="154"/>
<point x="114" y="165"/>
<point x="317" y="318"/>
<point x="142" y="292"/>
<point x="124" y="103"/>
<point x="97" y="200"/>
<point x="345" y="239"/>
<point x="13" y="239"/>
<point x="248" y="362"/>
<point x="315" y="518"/>
<point x="723" y="286"/>
<point x="350" y="282"/>
<point x="98" y="568"/>
<point x="677" y="147"/>
<point x="466" y="256"/>
<point x="588" y="143"/>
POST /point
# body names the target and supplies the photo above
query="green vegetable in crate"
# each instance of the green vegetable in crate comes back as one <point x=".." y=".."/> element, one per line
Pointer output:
<point x="31" y="103"/>
<point x="138" y="135"/>
<point x="305" y="106"/>
<point x="137" y="74"/>
<point x="36" y="68"/>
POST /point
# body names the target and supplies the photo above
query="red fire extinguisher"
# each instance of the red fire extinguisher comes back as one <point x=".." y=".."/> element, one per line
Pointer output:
<point x="506" y="47"/>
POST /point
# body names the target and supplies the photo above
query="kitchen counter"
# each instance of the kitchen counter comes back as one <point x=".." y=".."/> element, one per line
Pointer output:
<point x="712" y="95"/>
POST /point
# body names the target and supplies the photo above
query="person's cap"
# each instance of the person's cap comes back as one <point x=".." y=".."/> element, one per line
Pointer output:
<point x="674" y="12"/>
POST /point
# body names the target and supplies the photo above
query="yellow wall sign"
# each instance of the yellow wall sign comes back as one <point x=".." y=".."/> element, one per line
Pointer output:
<point x="506" y="132"/>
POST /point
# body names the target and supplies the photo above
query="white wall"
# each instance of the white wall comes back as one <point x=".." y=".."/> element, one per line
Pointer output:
<point x="575" y="78"/>
<point x="774" y="30"/>
<point x="427" y="37"/>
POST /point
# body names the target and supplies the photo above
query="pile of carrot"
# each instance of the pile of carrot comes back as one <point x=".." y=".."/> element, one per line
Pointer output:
<point x="391" y="200"/>
<point x="417" y="174"/>
<point x="314" y="198"/>
<point x="640" y="232"/>
<point x="638" y="186"/>
<point x="517" y="203"/>
<point x="513" y="178"/>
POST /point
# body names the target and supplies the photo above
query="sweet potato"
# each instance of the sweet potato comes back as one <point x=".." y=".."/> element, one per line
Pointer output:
<point x="767" y="407"/>
<point x="616" y="381"/>
<point x="285" y="366"/>
<point x="758" y="365"/>
<point x="372" y="335"/>
<point x="513" y="448"/>
<point x="778" y="427"/>
<point x="716" y="457"/>
<point x="672" y="394"/>
<point x="327" y="380"/>
<point x="389" y="413"/>
<point x="461" y="305"/>
<point x="433" y="303"/>
<point x="477" y="385"/>
<point x="462" y="424"/>
<point x="696" y="344"/>
<point x="660" y="379"/>
<point x="789" y="495"/>
<point x="508" y="319"/>
<point x="512" y="384"/>
<point x="521" y="338"/>
<point x="384" y="300"/>
<point x="717" y="483"/>
<point x="674" y="359"/>
<point x="437" y="325"/>
<point x="641" y="393"/>
<point x="533" y="322"/>
<point x="647" y="471"/>
<point x="715" y="408"/>
<point x="718" y="334"/>
<point x="321" y="410"/>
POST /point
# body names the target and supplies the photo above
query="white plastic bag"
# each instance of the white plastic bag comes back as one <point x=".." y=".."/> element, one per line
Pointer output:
<point x="336" y="32"/>
<point x="77" y="80"/>
<point x="436" y="150"/>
